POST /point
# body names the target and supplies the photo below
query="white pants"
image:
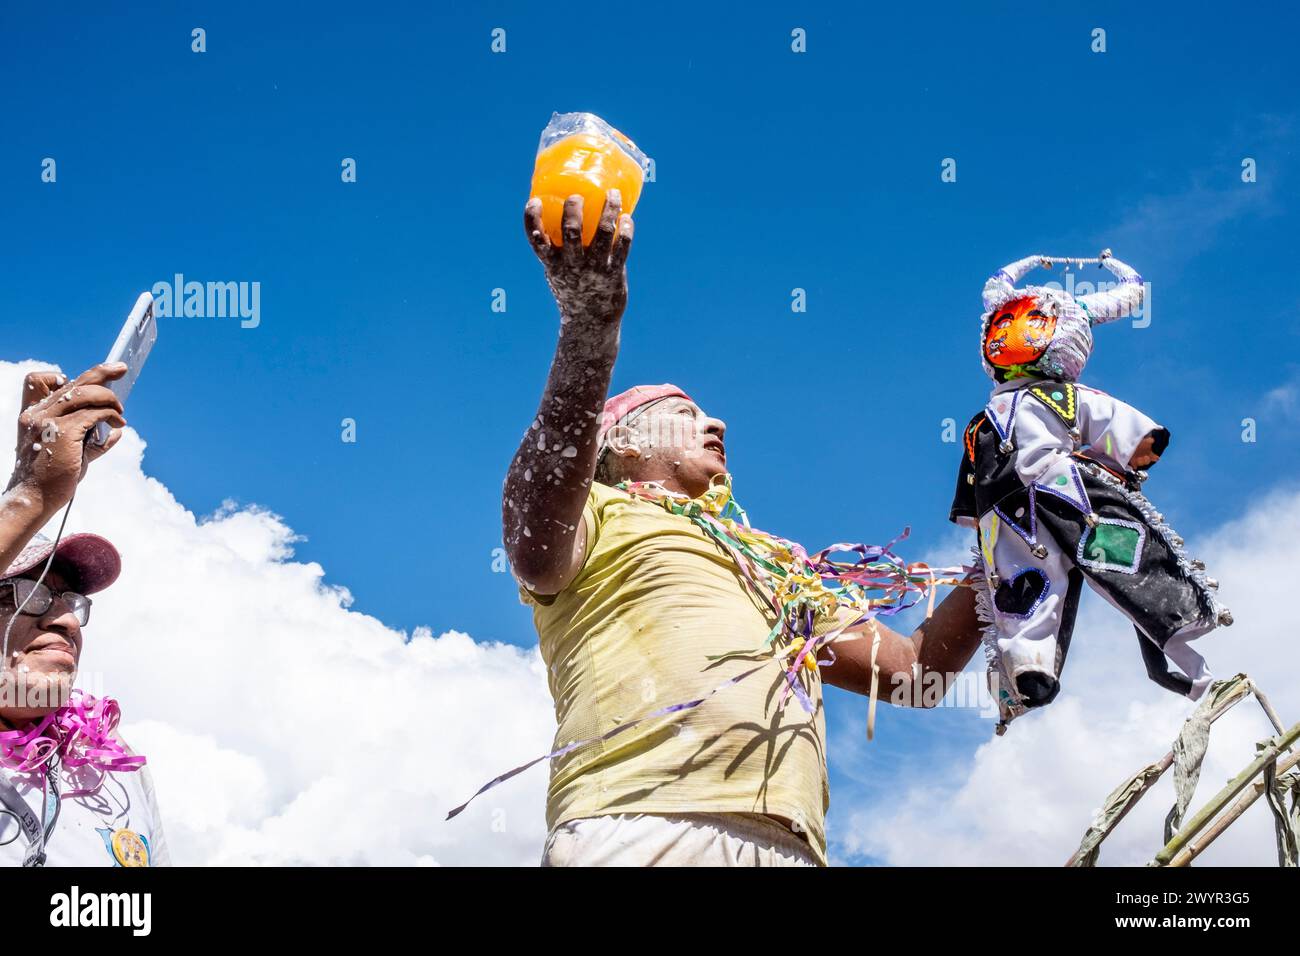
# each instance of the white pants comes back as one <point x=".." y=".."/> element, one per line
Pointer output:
<point x="682" y="839"/>
<point x="1029" y="641"/>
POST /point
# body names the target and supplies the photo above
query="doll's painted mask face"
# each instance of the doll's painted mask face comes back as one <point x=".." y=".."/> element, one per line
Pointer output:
<point x="1018" y="333"/>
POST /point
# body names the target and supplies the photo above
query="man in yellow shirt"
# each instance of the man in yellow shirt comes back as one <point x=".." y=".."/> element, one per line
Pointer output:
<point x="637" y="608"/>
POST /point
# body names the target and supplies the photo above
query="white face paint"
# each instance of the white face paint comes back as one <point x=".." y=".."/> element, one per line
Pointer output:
<point x="672" y="440"/>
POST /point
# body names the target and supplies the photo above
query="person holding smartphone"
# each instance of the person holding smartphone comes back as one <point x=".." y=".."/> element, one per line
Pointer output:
<point x="71" y="791"/>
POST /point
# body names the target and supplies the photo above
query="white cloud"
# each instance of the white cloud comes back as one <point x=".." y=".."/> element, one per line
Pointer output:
<point x="282" y="727"/>
<point x="1186" y="223"/>
<point x="1026" y="798"/>
<point x="1284" y="400"/>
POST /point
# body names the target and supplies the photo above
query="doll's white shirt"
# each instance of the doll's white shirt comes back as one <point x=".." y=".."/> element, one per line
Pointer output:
<point x="1109" y="429"/>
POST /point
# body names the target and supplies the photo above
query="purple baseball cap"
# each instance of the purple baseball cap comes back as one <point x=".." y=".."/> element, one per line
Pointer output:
<point x="93" y="560"/>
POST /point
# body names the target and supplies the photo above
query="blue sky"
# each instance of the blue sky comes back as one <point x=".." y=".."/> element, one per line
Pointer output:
<point x="774" y="170"/>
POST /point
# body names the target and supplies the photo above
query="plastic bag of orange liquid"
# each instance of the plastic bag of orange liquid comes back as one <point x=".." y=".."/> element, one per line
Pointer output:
<point x="581" y="153"/>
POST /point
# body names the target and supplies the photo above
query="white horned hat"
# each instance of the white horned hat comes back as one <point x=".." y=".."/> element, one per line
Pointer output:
<point x="1061" y="349"/>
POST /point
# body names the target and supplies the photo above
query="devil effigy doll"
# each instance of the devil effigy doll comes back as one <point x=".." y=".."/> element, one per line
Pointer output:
<point x="1051" y="478"/>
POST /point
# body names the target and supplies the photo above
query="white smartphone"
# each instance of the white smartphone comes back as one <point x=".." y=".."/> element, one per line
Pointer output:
<point x="132" y="347"/>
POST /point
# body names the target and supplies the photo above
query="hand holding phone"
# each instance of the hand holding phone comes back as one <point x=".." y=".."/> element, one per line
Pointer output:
<point x="132" y="347"/>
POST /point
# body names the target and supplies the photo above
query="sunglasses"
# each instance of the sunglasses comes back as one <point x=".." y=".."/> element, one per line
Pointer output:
<point x="31" y="597"/>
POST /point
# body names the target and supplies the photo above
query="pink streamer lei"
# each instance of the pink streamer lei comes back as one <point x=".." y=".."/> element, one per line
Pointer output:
<point x="79" y="734"/>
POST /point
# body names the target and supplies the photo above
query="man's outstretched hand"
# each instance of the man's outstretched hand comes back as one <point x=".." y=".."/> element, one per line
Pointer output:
<point x="589" y="284"/>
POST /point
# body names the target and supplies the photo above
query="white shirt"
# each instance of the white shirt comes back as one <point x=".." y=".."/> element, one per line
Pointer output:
<point x="1109" y="429"/>
<point x="118" y="825"/>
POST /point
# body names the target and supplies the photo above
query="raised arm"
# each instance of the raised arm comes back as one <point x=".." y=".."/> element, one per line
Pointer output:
<point x="546" y="486"/>
<point x="916" y="670"/>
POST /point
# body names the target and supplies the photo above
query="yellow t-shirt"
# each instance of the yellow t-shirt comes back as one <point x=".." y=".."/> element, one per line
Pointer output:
<point x="633" y="633"/>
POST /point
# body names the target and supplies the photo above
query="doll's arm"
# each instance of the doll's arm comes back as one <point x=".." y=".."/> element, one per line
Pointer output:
<point x="1150" y="449"/>
<point x="1118" y="432"/>
<point x="963" y="510"/>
